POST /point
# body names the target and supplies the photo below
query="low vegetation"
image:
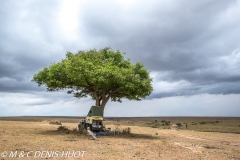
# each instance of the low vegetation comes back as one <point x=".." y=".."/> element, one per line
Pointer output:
<point x="137" y="140"/>
<point x="205" y="124"/>
<point x="126" y="131"/>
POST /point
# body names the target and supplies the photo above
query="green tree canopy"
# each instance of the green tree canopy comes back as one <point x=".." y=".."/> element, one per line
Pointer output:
<point x="101" y="74"/>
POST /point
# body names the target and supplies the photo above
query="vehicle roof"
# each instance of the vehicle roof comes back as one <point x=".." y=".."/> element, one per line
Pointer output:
<point x="95" y="111"/>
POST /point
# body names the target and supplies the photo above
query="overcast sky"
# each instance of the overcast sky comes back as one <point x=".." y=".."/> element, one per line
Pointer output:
<point x="191" y="48"/>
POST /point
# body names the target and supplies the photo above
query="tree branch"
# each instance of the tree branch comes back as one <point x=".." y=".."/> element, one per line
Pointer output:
<point x="96" y="97"/>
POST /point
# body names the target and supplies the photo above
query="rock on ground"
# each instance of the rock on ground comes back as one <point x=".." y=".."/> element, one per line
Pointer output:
<point x="55" y="122"/>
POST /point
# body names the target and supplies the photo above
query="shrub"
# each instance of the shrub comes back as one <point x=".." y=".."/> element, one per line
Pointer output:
<point x="167" y="123"/>
<point x="81" y="129"/>
<point x="126" y="130"/>
<point x="66" y="130"/>
<point x="75" y="130"/>
<point x="202" y="122"/>
<point x="62" y="128"/>
<point x="179" y="125"/>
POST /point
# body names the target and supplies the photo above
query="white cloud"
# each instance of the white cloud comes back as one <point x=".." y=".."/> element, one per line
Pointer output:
<point x="68" y="19"/>
<point x="230" y="62"/>
<point x="198" y="105"/>
<point x="18" y="104"/>
<point x="186" y="44"/>
<point x="165" y="86"/>
<point x="58" y="103"/>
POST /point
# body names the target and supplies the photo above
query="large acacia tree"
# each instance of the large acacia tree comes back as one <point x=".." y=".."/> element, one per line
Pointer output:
<point x="101" y="74"/>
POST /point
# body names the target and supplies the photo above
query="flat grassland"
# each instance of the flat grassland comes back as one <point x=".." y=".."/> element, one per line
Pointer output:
<point x="150" y="138"/>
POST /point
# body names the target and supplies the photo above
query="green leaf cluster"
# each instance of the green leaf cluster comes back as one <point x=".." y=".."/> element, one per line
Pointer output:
<point x="102" y="74"/>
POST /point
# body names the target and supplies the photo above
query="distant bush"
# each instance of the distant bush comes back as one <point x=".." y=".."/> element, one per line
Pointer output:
<point x="126" y="130"/>
<point x="163" y="121"/>
<point x="152" y="124"/>
<point x="167" y="123"/>
<point x="179" y="125"/>
<point x="202" y="122"/>
<point x="210" y="122"/>
<point x="194" y="123"/>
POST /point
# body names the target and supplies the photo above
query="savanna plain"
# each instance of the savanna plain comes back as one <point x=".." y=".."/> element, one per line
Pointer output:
<point x="198" y="138"/>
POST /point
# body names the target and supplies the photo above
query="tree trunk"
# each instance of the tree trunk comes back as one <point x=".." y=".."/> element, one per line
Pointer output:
<point x="102" y="108"/>
<point x="102" y="104"/>
<point x="102" y="100"/>
<point x="96" y="98"/>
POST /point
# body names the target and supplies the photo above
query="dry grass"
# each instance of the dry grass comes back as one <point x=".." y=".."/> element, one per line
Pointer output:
<point x="142" y="143"/>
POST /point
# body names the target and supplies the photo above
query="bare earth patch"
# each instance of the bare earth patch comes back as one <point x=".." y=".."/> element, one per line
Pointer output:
<point x="142" y="143"/>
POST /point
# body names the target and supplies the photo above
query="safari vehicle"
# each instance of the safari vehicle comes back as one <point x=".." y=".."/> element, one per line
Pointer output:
<point x="94" y="120"/>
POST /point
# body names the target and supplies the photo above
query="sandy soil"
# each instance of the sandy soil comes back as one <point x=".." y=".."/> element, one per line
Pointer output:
<point x="42" y="141"/>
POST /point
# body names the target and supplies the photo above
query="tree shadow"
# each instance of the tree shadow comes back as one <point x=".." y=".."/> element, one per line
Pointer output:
<point x="57" y="132"/>
<point x="137" y="136"/>
<point x="76" y="133"/>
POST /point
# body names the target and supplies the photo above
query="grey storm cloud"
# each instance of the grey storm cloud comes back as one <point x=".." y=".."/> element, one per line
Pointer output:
<point x="183" y="40"/>
<point x="191" y="46"/>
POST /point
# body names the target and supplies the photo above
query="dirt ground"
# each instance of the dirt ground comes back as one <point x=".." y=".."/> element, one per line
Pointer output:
<point x="39" y="140"/>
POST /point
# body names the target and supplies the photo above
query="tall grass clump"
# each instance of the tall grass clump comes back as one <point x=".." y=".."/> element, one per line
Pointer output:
<point x="126" y="131"/>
